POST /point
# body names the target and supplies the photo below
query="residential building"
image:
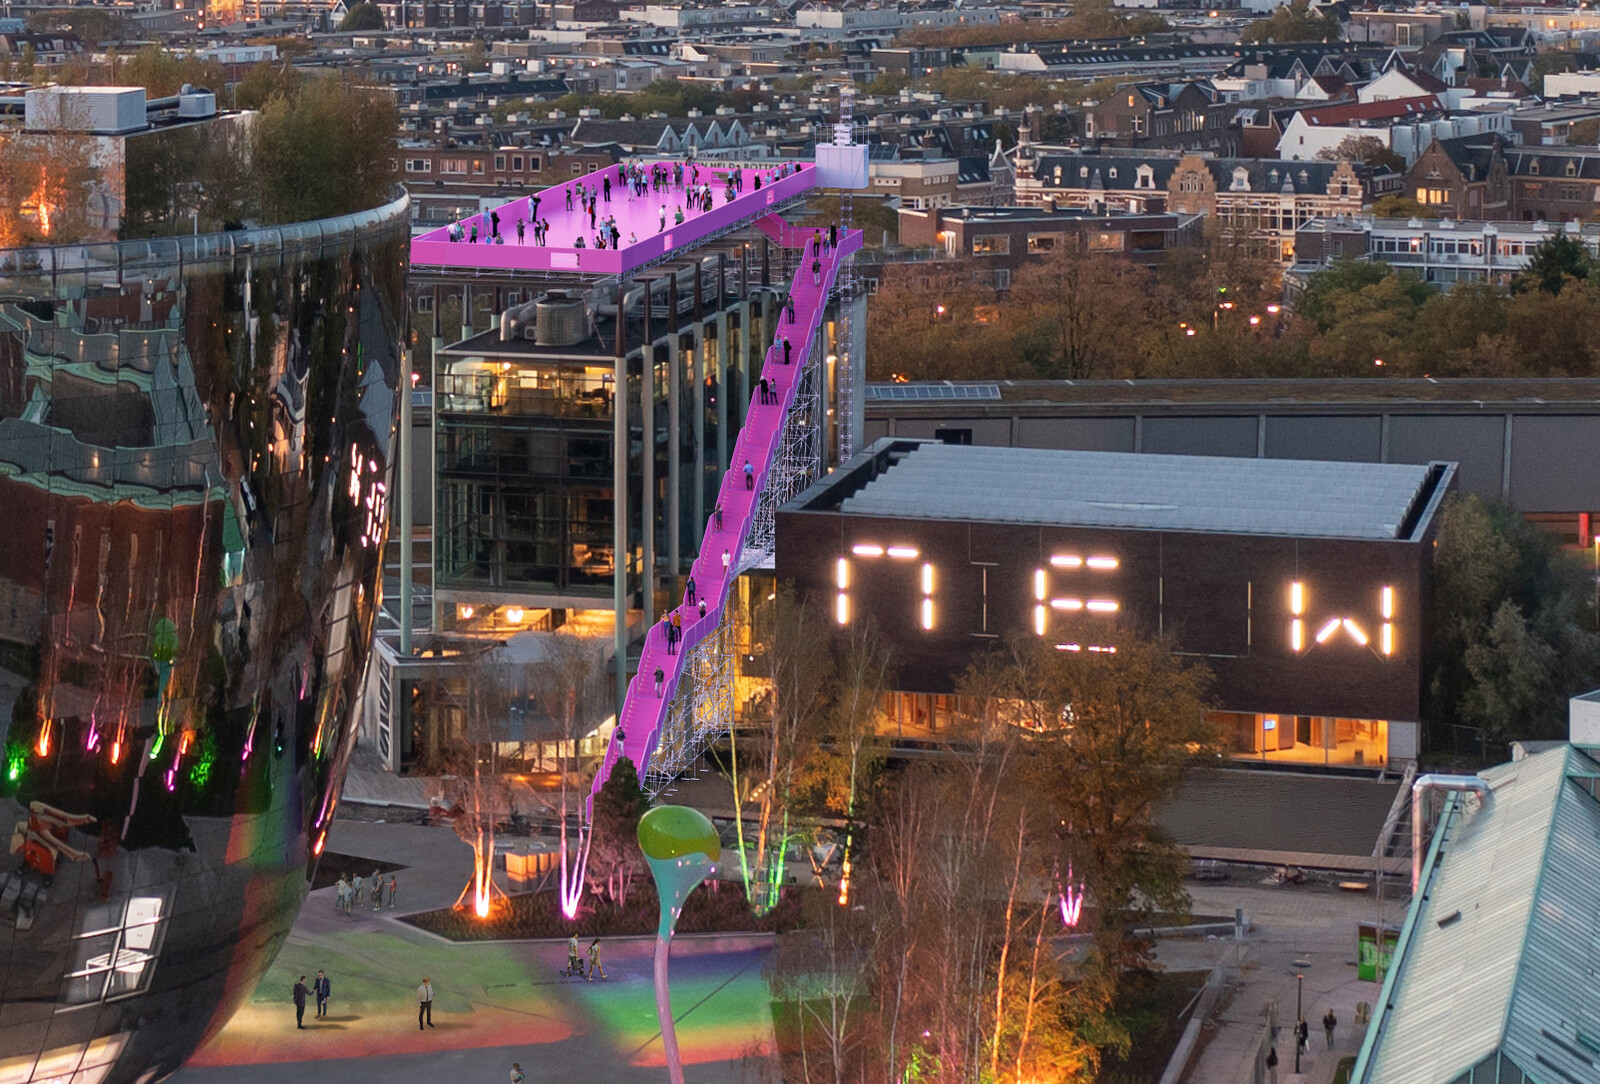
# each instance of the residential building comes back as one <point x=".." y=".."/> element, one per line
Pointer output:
<point x="1192" y="115"/>
<point x="1405" y="126"/>
<point x="1473" y="179"/>
<point x="1002" y="239"/>
<point x="1443" y="251"/>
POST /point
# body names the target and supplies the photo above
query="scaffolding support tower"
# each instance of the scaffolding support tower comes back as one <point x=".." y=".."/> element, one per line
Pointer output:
<point x="844" y="369"/>
<point x="797" y="464"/>
<point x="700" y="712"/>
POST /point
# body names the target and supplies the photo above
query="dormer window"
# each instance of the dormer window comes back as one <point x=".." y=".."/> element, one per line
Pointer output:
<point x="1241" y="179"/>
<point x="1572" y="168"/>
<point x="1112" y="173"/>
<point x="1083" y="172"/>
<point x="1533" y="167"/>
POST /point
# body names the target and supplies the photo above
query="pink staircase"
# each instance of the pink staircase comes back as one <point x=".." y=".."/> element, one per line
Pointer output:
<point x="645" y="709"/>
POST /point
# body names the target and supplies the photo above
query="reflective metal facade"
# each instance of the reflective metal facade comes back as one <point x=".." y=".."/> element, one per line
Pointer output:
<point x="195" y="438"/>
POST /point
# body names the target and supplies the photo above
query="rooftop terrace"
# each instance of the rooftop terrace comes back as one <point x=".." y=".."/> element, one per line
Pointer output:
<point x="647" y="224"/>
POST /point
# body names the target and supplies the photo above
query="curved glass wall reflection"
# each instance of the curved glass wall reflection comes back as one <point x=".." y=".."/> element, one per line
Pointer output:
<point x="194" y="452"/>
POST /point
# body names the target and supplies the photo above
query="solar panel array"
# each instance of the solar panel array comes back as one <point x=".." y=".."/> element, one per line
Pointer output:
<point x="928" y="392"/>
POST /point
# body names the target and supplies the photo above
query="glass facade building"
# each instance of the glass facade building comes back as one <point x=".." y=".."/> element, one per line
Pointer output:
<point x="195" y="442"/>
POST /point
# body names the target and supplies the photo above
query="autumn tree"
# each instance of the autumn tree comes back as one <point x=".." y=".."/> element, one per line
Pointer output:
<point x="936" y="321"/>
<point x="1077" y="310"/>
<point x="1294" y="21"/>
<point x="1114" y="733"/>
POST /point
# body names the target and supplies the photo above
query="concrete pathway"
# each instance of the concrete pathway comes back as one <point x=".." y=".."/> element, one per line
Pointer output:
<point x="1295" y="922"/>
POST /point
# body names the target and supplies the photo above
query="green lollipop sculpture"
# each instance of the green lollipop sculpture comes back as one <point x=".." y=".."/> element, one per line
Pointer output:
<point x="682" y="849"/>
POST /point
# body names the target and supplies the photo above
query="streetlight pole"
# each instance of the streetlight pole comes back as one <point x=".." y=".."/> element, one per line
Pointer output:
<point x="1299" y="1014"/>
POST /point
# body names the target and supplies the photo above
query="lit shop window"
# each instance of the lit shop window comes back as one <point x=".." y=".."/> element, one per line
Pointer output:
<point x="116" y="953"/>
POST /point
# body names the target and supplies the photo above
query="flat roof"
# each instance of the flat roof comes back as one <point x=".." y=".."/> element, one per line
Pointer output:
<point x="1255" y="393"/>
<point x="636" y="217"/>
<point x="1138" y="491"/>
<point x="1495" y="959"/>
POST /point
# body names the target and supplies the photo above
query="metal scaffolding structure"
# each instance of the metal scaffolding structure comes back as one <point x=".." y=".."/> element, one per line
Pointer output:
<point x="798" y="462"/>
<point x="700" y="712"/>
<point x="844" y="390"/>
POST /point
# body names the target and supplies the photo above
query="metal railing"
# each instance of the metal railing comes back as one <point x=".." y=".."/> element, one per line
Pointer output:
<point x="111" y="262"/>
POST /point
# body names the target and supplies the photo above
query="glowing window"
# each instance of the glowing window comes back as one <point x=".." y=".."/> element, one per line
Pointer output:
<point x="867" y="550"/>
<point x="903" y="553"/>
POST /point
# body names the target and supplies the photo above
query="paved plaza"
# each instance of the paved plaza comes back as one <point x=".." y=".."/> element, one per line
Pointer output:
<point x="495" y="1003"/>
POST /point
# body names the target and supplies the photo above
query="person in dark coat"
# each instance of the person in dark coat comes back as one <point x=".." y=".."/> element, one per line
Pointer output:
<point x="300" y="993"/>
<point x="322" y="988"/>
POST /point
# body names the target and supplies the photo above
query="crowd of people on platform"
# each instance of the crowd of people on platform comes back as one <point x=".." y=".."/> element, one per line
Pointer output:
<point x="693" y="183"/>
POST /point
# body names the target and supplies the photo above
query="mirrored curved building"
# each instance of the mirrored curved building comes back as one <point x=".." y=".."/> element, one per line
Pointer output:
<point x="195" y="435"/>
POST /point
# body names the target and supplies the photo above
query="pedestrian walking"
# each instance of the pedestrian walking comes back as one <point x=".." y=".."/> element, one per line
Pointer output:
<point x="494" y="223"/>
<point x="594" y="960"/>
<point x="833" y="237"/>
<point x="377" y="889"/>
<point x="574" y="965"/>
<point x="516" y="1074"/>
<point x="322" y="988"/>
<point x="300" y="992"/>
<point x="816" y="272"/>
<point x="786" y="351"/>
<point x="717" y="511"/>
<point x="688" y="590"/>
<point x="392" y="887"/>
<point x="761" y="392"/>
<point x="1329" y="1022"/>
<point x="749" y="479"/>
<point x="521" y="225"/>
<point x="425" y="1003"/>
<point x="677" y="627"/>
<point x="355" y="890"/>
<point x="658" y="681"/>
<point x="789" y="306"/>
<point x="702" y="607"/>
<point x="1272" y="1065"/>
<point x="608" y="189"/>
<point x="1302" y="1034"/>
<point x="343" y="895"/>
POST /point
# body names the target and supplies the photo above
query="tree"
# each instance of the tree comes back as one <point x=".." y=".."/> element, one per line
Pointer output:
<point x="614" y="857"/>
<point x="1114" y="733"/>
<point x="566" y="680"/>
<point x="1511" y="670"/>
<point x="1327" y="290"/>
<point x="1513" y="626"/>
<point x="363" y="16"/>
<point x="162" y="73"/>
<point x="476" y="792"/>
<point x="1077" y="310"/>
<point x="1399" y="207"/>
<point x="328" y="150"/>
<point x="1293" y="21"/>
<point x="1553" y="264"/>
<point x="264" y="82"/>
<point x="786" y="737"/>
<point x="1367" y="150"/>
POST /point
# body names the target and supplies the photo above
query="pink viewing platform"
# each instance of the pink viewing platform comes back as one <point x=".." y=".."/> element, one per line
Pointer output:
<point x="637" y="216"/>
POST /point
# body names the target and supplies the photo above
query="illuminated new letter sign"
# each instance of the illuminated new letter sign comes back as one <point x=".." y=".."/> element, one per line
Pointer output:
<point x="1338" y="626"/>
<point x="873" y="551"/>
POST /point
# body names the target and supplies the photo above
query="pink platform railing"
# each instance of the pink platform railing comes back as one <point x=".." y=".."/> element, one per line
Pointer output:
<point x="645" y="709"/>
